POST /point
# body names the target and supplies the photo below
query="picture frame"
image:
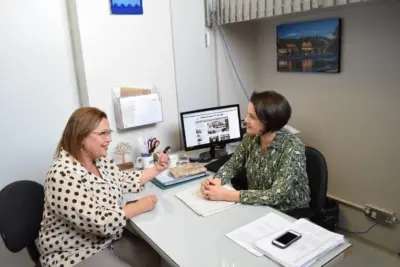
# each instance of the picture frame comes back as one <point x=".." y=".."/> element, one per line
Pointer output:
<point x="311" y="46"/>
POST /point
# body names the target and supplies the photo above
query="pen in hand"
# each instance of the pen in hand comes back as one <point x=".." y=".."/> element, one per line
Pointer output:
<point x="162" y="158"/>
<point x="130" y="202"/>
<point x="213" y="182"/>
<point x="208" y="182"/>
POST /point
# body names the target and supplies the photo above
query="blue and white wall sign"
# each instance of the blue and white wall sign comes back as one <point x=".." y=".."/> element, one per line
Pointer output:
<point x="126" y="7"/>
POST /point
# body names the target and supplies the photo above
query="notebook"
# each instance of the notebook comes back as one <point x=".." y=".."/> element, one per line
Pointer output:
<point x="180" y="182"/>
<point x="193" y="198"/>
<point x="164" y="187"/>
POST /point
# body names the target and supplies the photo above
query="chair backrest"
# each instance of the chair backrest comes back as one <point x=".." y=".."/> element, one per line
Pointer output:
<point x="317" y="172"/>
<point x="21" y="211"/>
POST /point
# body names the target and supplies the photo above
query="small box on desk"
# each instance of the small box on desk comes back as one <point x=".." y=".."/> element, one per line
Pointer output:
<point x="136" y="106"/>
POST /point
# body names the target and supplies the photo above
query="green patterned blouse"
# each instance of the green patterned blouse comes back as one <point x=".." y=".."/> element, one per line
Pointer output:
<point x="278" y="178"/>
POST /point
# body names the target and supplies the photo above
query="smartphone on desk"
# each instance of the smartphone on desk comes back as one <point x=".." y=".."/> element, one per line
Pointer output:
<point x="286" y="239"/>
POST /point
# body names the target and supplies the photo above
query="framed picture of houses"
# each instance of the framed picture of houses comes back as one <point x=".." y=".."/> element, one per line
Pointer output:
<point x="312" y="46"/>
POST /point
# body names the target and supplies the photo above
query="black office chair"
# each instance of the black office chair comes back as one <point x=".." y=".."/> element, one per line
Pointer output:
<point x="317" y="172"/>
<point x="239" y="182"/>
<point x="21" y="209"/>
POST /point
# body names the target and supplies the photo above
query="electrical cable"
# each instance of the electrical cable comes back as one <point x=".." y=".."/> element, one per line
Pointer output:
<point x="359" y="233"/>
<point x="230" y="57"/>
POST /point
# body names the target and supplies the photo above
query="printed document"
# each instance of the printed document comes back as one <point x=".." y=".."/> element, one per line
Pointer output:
<point x="313" y="244"/>
<point x="248" y="234"/>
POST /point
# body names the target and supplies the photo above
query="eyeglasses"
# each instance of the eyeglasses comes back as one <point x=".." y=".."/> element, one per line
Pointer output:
<point x="104" y="134"/>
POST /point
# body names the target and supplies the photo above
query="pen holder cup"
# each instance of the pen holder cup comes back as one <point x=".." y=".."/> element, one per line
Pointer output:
<point x="145" y="161"/>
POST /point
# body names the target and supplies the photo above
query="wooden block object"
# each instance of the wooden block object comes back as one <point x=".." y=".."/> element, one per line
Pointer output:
<point x="125" y="166"/>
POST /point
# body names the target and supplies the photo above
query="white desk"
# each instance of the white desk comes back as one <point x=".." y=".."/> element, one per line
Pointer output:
<point x="187" y="240"/>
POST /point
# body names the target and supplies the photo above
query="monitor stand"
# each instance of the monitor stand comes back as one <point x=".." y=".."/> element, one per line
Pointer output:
<point x="214" y="153"/>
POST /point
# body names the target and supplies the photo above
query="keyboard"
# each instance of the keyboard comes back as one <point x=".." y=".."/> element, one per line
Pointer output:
<point x="215" y="165"/>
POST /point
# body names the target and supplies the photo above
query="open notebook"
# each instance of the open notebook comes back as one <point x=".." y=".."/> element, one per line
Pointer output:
<point x="193" y="198"/>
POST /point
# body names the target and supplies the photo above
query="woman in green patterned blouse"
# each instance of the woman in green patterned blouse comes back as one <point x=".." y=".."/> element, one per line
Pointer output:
<point x="272" y="157"/>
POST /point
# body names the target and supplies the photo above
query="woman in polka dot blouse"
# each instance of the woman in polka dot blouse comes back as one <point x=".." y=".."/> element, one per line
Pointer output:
<point x="84" y="217"/>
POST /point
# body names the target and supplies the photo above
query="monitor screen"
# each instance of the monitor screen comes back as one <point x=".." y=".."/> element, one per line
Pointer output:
<point x="203" y="128"/>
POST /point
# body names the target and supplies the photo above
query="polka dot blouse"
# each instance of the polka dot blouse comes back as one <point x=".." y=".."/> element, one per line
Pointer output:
<point x="82" y="212"/>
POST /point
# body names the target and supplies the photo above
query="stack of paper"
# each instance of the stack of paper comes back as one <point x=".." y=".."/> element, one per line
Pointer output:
<point x="193" y="198"/>
<point x="314" y="243"/>
<point x="247" y="235"/>
<point x="291" y="129"/>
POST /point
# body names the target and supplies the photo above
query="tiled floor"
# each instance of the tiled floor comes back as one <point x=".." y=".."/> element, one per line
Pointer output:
<point x="362" y="256"/>
<point x="8" y="259"/>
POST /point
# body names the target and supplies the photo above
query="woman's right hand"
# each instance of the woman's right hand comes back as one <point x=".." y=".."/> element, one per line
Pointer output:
<point x="207" y="183"/>
<point x="144" y="204"/>
<point x="211" y="181"/>
<point x="147" y="203"/>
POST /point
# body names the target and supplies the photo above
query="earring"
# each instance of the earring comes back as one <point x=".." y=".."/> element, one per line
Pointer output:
<point x="81" y="149"/>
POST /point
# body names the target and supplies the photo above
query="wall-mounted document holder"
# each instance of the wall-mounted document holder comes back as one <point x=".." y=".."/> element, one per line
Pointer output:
<point x="136" y="106"/>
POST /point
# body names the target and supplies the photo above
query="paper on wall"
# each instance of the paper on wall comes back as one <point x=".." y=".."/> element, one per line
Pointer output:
<point x="135" y="106"/>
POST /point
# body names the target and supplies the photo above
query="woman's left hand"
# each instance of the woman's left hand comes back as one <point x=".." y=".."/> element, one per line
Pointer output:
<point x="162" y="161"/>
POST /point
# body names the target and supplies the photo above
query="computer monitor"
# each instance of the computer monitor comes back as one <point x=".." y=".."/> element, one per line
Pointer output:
<point x="211" y="127"/>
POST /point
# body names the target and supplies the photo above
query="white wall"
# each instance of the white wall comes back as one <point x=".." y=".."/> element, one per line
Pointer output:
<point x="38" y="88"/>
<point x="241" y="39"/>
<point x="352" y="117"/>
<point x="195" y="67"/>
<point x="194" y="57"/>
<point x="118" y="50"/>
<point x="38" y="92"/>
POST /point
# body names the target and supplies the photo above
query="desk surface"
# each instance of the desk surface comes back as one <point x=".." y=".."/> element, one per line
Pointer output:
<point x="186" y="239"/>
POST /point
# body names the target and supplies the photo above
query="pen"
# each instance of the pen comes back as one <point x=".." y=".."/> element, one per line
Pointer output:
<point x="167" y="149"/>
<point x="211" y="181"/>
